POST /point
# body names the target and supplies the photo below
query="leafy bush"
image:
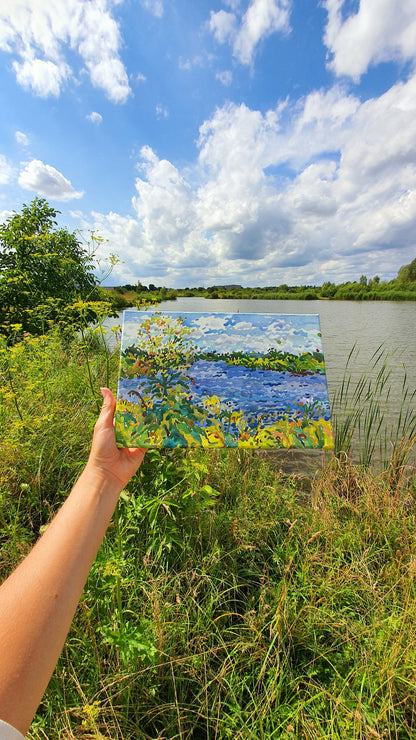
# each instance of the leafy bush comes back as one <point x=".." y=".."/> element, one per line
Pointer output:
<point x="46" y="274"/>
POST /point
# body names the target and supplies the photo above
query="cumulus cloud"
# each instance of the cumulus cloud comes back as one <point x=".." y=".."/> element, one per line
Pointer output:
<point x="95" y="117"/>
<point x="244" y="31"/>
<point x="46" y="180"/>
<point x="6" y="170"/>
<point x="40" y="35"/>
<point x="312" y="190"/>
<point x="21" y="138"/>
<point x="5" y="215"/>
<point x="223" y="25"/>
<point x="43" y="78"/>
<point x="380" y="31"/>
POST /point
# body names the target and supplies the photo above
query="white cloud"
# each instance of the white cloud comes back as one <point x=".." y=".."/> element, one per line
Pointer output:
<point x="225" y="77"/>
<point x="198" y="60"/>
<point x="380" y="31"/>
<point x="46" y="180"/>
<point x="44" y="78"/>
<point x="40" y="35"/>
<point x="233" y="4"/>
<point x="95" y="117"/>
<point x="161" y="111"/>
<point x="223" y="25"/>
<point x="5" y="215"/>
<point x="153" y="6"/>
<point x="21" y="138"/>
<point x="6" y="170"/>
<point x="262" y="18"/>
<point x="313" y="190"/>
<point x="245" y="31"/>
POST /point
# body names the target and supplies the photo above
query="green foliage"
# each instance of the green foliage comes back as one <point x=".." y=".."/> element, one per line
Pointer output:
<point x="225" y="602"/>
<point x="407" y="273"/>
<point x="45" y="272"/>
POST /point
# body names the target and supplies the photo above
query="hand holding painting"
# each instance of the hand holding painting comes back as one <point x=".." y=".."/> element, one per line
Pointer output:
<point x="38" y="600"/>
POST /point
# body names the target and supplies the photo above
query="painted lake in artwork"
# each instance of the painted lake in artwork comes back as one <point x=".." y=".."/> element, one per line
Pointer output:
<point x="214" y="380"/>
<point x="276" y="393"/>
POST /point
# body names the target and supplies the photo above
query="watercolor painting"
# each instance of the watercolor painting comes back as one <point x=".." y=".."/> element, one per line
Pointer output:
<point x="222" y="380"/>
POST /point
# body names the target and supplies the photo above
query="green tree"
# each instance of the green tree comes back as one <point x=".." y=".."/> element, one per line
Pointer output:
<point x="328" y="290"/>
<point x="407" y="273"/>
<point x="45" y="273"/>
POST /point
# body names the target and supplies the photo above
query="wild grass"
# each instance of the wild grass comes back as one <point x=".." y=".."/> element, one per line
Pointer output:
<point x="224" y="602"/>
<point x="371" y="419"/>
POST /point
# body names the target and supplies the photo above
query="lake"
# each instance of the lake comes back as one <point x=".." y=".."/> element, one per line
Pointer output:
<point x="357" y="327"/>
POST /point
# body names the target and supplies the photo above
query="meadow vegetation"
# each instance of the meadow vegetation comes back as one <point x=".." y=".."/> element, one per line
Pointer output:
<point x="226" y="601"/>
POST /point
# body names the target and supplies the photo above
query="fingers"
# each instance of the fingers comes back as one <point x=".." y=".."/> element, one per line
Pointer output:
<point x="106" y="416"/>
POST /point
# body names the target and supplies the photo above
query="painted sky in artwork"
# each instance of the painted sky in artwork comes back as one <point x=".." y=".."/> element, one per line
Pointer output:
<point x="256" y="142"/>
<point x="245" y="332"/>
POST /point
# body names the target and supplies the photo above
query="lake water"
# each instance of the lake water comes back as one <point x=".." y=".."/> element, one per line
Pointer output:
<point x="361" y="328"/>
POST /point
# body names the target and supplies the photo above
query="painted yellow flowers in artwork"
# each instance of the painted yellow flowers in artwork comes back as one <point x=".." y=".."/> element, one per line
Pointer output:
<point x="178" y="388"/>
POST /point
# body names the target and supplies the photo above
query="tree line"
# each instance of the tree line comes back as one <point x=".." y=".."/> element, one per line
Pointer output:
<point x="401" y="288"/>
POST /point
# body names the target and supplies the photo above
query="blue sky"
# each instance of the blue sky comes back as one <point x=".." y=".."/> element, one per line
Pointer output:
<point x="256" y="142"/>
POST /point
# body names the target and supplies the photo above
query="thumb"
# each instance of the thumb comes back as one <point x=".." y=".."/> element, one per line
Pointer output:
<point x="106" y="416"/>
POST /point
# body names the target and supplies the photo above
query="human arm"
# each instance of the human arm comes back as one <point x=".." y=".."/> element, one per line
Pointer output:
<point x="38" y="600"/>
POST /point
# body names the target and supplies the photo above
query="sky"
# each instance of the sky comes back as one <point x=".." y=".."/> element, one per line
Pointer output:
<point x="227" y="332"/>
<point x="209" y="142"/>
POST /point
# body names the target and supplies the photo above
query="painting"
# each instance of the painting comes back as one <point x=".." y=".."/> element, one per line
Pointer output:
<point x="222" y="380"/>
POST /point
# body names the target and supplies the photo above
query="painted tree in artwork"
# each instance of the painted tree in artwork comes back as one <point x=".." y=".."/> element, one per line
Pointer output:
<point x="163" y="344"/>
<point x="160" y="358"/>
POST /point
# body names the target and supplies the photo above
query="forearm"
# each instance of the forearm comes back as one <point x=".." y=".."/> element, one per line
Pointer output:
<point x="38" y="601"/>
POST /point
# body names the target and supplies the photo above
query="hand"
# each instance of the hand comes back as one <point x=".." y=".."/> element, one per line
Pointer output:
<point x="105" y="457"/>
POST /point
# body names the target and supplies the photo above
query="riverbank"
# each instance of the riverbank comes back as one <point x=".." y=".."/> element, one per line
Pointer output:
<point x="402" y="288"/>
<point x="226" y="601"/>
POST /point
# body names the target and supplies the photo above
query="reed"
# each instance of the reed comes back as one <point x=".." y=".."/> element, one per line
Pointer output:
<point x="369" y="421"/>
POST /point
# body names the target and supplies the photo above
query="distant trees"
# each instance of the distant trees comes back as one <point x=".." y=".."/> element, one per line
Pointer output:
<point x="328" y="290"/>
<point x="365" y="289"/>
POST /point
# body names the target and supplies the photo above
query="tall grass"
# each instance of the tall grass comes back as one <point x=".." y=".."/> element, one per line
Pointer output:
<point x="223" y="603"/>
<point x="370" y="420"/>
